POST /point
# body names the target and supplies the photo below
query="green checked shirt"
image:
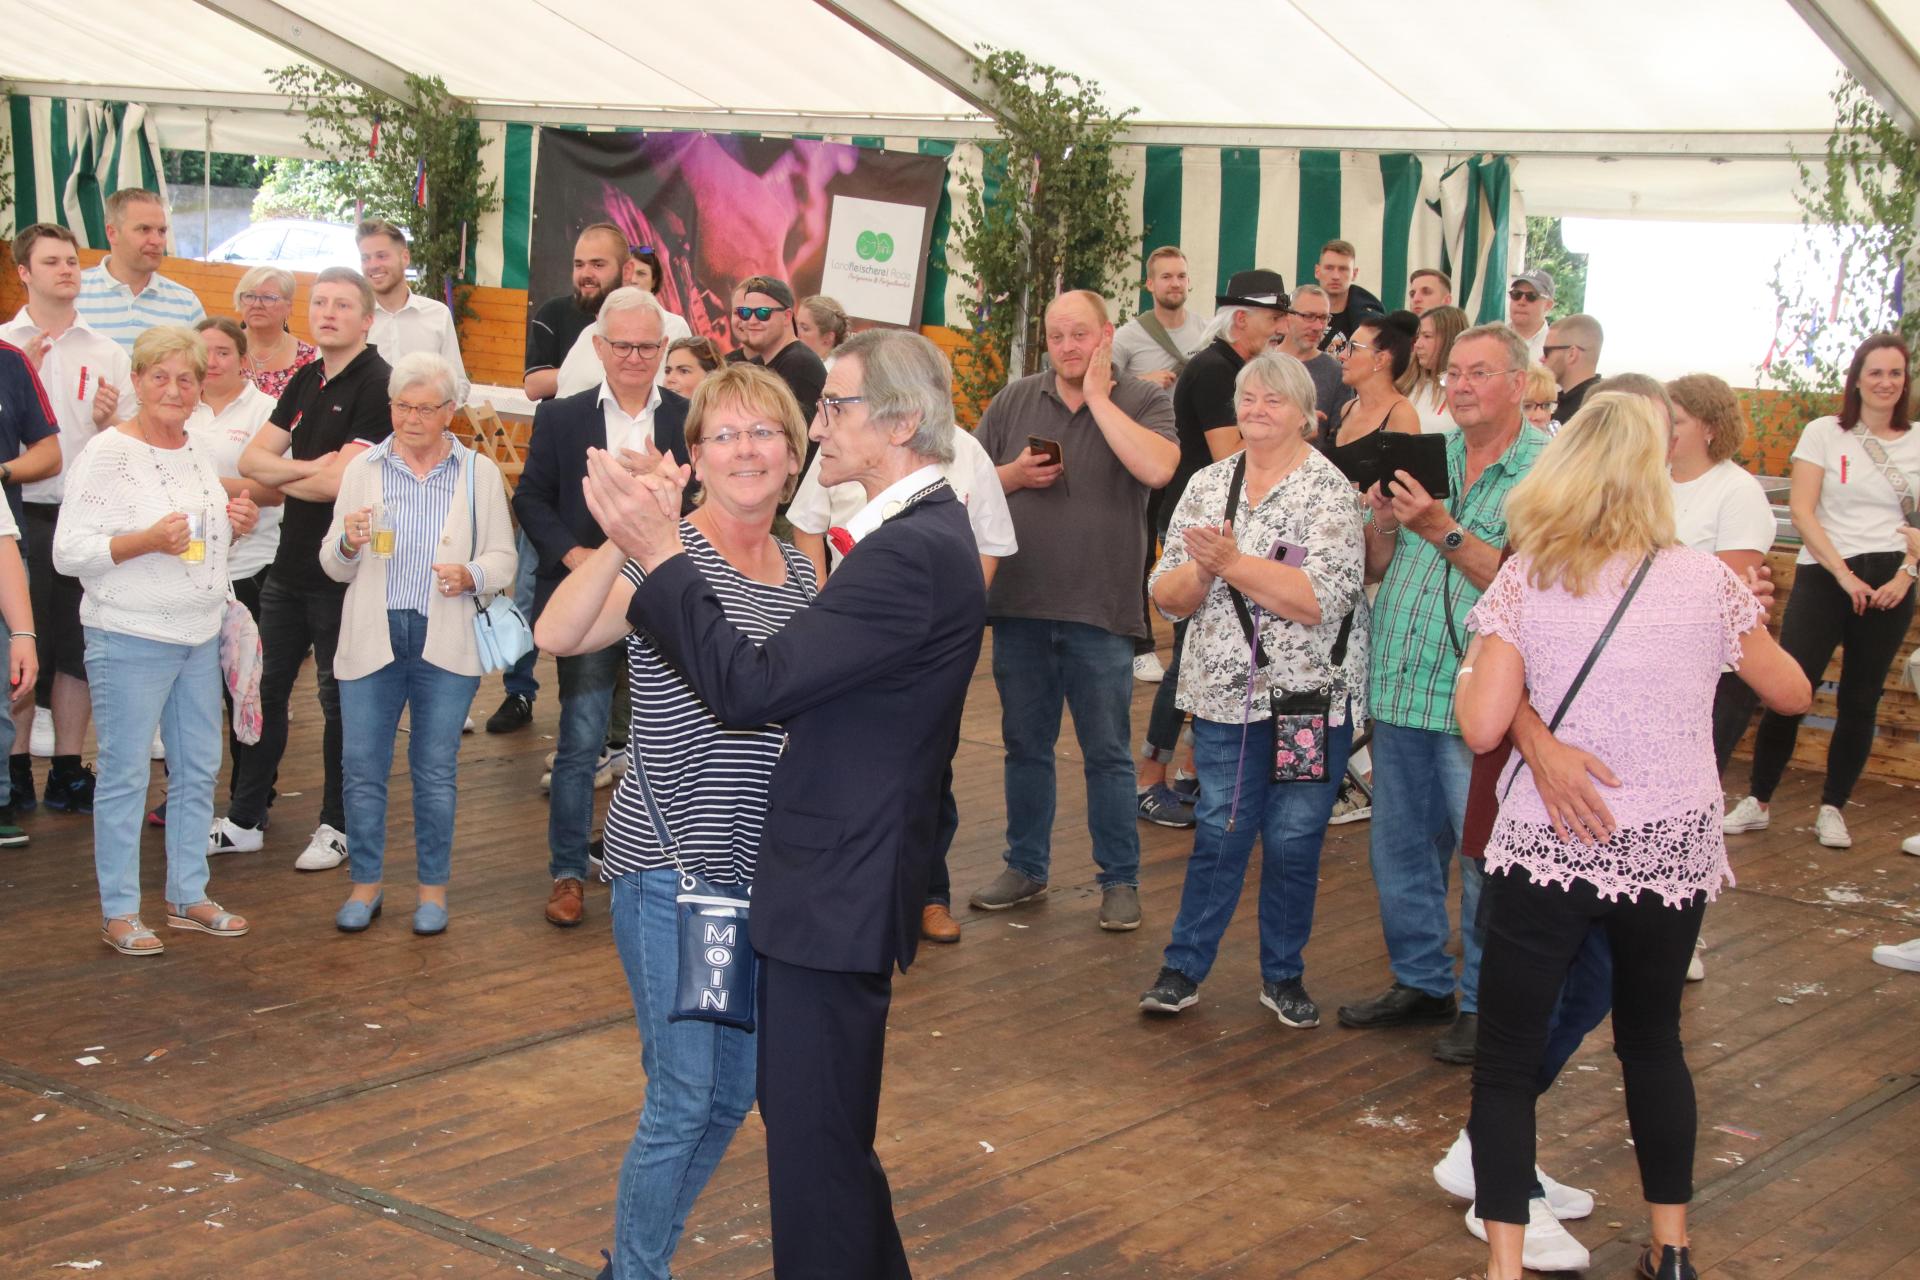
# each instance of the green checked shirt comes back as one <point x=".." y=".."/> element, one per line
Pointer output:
<point x="1414" y="658"/>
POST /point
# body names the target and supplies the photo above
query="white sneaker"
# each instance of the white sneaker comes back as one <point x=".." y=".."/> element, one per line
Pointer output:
<point x="159" y="749"/>
<point x="1696" y="968"/>
<point x="230" y="837"/>
<point x="1454" y="1173"/>
<point x="1147" y="668"/>
<point x="1830" y="829"/>
<point x="611" y="768"/>
<point x="1903" y="955"/>
<point x="1548" y="1247"/>
<point x="40" y="742"/>
<point x="327" y="850"/>
<point x="1748" y="815"/>
<point x="1911" y="845"/>
<point x="468" y="726"/>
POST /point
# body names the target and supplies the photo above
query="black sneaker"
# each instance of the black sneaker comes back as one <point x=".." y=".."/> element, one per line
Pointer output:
<point x="1161" y="805"/>
<point x="1291" y="1002"/>
<point x="1399" y="1006"/>
<point x="20" y="770"/>
<point x="1172" y="991"/>
<point x="71" y="792"/>
<point x="515" y="712"/>
<point x="11" y="836"/>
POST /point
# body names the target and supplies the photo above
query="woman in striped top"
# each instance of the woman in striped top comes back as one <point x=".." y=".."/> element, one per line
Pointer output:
<point x="708" y="781"/>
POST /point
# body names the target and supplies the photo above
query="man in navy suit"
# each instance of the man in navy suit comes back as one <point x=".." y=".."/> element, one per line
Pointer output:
<point x="621" y="415"/>
<point x="869" y="682"/>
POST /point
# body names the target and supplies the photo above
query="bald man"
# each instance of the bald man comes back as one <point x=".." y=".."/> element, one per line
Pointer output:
<point x="1078" y="452"/>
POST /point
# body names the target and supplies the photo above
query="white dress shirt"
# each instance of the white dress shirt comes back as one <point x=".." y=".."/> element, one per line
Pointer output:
<point x="889" y="502"/>
<point x="71" y="370"/>
<point x="422" y="324"/>
<point x="817" y="508"/>
<point x="624" y="430"/>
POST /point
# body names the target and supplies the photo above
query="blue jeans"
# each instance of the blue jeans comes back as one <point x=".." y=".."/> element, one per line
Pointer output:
<point x="437" y="701"/>
<point x="1291" y="821"/>
<point x="700" y="1081"/>
<point x="1586" y="998"/>
<point x="1420" y="781"/>
<point x="1038" y="668"/>
<point x="136" y="686"/>
<point x="518" y="678"/>
<point x="586" y="702"/>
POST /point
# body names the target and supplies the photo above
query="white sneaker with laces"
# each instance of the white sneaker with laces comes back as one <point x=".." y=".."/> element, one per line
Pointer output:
<point x="230" y="837"/>
<point x="40" y="741"/>
<point x="1830" y="829"/>
<point x="1748" y="815"/>
<point x="1147" y="668"/>
<point x="1454" y="1173"/>
<point x="611" y="768"/>
<point x="1548" y="1247"/>
<point x="1901" y="955"/>
<point x="325" y="851"/>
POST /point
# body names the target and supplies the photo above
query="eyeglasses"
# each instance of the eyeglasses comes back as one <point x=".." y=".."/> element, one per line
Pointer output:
<point x="416" y="412"/>
<point x="757" y="313"/>
<point x="1539" y="406"/>
<point x="831" y="405"/>
<point x="261" y="299"/>
<point x="758" y="433"/>
<point x="628" y="350"/>
<point x="1523" y="295"/>
<point x="1353" y="344"/>
<point x="1551" y="348"/>
<point x="1313" y="317"/>
<point x="1478" y="378"/>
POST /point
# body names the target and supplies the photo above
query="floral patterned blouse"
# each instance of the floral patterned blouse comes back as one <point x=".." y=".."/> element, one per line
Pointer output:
<point x="1314" y="507"/>
<point x="274" y="381"/>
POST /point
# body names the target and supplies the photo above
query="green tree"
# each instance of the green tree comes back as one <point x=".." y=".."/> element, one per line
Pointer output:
<point x="188" y="168"/>
<point x="1048" y="212"/>
<point x="1547" y="252"/>
<point x="304" y="189"/>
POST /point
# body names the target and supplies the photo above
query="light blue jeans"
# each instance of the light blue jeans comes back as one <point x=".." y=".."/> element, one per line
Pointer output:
<point x="1420" y="779"/>
<point x="587" y="683"/>
<point x="137" y="685"/>
<point x="437" y="701"/>
<point x="700" y="1081"/>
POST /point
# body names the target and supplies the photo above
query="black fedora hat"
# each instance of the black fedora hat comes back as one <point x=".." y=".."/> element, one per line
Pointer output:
<point x="1256" y="288"/>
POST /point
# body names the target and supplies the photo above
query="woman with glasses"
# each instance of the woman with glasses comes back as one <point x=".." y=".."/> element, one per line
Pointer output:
<point x="264" y="298"/>
<point x="420" y="532"/>
<point x="708" y="783"/>
<point x="688" y="362"/>
<point x="1372" y="360"/>
<point x="1421" y="384"/>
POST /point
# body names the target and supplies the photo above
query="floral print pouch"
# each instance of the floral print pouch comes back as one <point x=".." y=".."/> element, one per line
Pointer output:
<point x="1300" y="735"/>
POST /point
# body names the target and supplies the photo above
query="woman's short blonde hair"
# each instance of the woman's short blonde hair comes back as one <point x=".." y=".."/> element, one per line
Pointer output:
<point x="1710" y="402"/>
<point x="1541" y="386"/>
<point x="165" y="341"/>
<point x="1599" y="490"/>
<point x="758" y="391"/>
<point x="281" y="281"/>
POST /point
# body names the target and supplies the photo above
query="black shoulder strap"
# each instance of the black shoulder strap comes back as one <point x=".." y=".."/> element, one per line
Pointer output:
<point x="1339" y="656"/>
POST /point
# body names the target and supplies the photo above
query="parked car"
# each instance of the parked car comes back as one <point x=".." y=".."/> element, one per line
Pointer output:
<point x="297" y="244"/>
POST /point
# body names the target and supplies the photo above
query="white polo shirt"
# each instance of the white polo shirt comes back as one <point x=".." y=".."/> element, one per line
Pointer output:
<point x="421" y="324"/>
<point x="71" y="370"/>
<point x="115" y="311"/>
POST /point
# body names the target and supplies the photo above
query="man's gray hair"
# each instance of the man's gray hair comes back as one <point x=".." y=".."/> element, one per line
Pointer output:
<point x="1311" y="291"/>
<point x="1278" y="371"/>
<point x="347" y="275"/>
<point x="1221" y="326"/>
<point x="423" y="367"/>
<point x="1519" y="355"/>
<point x="905" y="378"/>
<point x="629" y="298"/>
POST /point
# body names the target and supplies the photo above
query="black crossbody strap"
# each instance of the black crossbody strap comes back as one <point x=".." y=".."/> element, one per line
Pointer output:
<point x="1240" y="601"/>
<point x="1593" y="656"/>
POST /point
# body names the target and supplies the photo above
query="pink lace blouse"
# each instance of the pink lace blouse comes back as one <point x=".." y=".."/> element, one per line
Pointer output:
<point x="1646" y="710"/>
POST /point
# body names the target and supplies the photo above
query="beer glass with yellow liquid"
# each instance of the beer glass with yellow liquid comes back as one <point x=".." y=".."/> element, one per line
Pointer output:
<point x="383" y="532"/>
<point x="196" y="552"/>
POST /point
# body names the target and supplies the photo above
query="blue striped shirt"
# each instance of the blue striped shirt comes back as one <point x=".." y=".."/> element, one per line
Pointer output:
<point x="117" y="312"/>
<point x="419" y="508"/>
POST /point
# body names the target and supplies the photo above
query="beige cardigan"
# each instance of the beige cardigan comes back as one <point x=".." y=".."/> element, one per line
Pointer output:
<point x="364" y="643"/>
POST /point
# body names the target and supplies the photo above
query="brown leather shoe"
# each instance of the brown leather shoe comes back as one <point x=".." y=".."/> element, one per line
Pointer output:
<point x="567" y="904"/>
<point x="937" y="923"/>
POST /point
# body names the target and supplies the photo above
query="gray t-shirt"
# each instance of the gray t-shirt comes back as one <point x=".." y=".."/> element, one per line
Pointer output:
<point x="1329" y="394"/>
<point x="1135" y="352"/>
<point x="1083" y="540"/>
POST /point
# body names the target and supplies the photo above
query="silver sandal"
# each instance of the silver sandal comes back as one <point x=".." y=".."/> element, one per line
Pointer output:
<point x="222" y="924"/>
<point x="137" y="932"/>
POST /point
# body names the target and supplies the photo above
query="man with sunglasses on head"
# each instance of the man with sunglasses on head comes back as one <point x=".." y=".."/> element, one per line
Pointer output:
<point x="1572" y="352"/>
<point x="763" y="326"/>
<point x="1529" y="298"/>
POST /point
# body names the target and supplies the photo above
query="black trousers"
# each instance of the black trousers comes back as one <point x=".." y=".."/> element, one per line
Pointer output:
<point x="293" y="620"/>
<point x="1733" y="704"/>
<point x="1819" y="619"/>
<point x="1533" y="933"/>
<point x="822" y="1043"/>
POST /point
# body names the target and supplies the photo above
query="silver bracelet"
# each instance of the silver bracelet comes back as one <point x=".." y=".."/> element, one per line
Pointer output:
<point x="33" y="636"/>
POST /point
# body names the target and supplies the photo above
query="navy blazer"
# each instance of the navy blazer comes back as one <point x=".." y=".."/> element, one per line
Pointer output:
<point x="548" y="501"/>
<point x="869" y="681"/>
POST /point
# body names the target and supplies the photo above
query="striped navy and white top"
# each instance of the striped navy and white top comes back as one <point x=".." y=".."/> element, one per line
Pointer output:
<point x="419" y="508"/>
<point x="709" y="781"/>
<point x="119" y="313"/>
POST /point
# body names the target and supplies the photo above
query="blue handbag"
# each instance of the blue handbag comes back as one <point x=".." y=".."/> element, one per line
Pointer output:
<point x="500" y="630"/>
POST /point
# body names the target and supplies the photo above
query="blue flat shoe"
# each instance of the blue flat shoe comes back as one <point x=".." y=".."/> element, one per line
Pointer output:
<point x="354" y="916"/>
<point x="606" y="1272"/>
<point x="429" y="918"/>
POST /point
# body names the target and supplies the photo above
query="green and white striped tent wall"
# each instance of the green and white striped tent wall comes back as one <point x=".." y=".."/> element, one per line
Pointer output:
<point x="1228" y="208"/>
<point x="70" y="154"/>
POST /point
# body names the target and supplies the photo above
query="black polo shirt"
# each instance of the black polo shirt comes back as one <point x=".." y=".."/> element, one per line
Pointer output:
<point x="553" y="330"/>
<point x="1203" y="401"/>
<point x="26" y="416"/>
<point x="323" y="416"/>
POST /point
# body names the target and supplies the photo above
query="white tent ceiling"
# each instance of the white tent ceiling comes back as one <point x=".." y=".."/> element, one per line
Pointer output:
<point x="1649" y="107"/>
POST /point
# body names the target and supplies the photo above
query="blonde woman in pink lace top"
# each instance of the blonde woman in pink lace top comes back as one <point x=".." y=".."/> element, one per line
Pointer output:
<point x="1595" y="509"/>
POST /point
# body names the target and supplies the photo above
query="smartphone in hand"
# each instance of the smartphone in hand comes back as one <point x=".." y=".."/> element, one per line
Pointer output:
<point x="1049" y="448"/>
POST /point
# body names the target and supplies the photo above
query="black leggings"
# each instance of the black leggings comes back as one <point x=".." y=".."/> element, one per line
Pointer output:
<point x="1533" y="933"/>
<point x="1819" y="619"/>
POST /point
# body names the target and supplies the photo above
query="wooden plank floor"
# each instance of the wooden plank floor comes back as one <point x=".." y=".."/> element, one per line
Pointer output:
<point x="391" y="1106"/>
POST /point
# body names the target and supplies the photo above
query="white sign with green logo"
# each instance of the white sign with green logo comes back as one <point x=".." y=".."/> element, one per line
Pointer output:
<point x="875" y="255"/>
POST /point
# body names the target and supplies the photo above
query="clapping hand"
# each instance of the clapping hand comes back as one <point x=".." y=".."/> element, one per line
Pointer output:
<point x="1214" y="550"/>
<point x="640" y="513"/>
<point x="106" y="398"/>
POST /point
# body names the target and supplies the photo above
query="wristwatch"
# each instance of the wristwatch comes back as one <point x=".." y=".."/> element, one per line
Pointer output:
<point x="1912" y="571"/>
<point x="1454" y="539"/>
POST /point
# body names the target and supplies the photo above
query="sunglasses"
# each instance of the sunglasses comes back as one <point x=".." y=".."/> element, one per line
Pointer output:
<point x="1523" y="295"/>
<point x="757" y="313"/>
